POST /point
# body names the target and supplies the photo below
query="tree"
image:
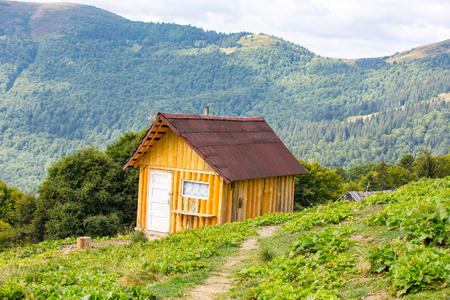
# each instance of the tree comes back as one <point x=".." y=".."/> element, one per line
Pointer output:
<point x="407" y="162"/>
<point x="8" y="196"/>
<point x="425" y="165"/>
<point x="443" y="166"/>
<point x="122" y="149"/>
<point x="355" y="173"/>
<point x="319" y="186"/>
<point x="385" y="177"/>
<point x="341" y="172"/>
<point x="16" y="213"/>
<point x="383" y="180"/>
<point x="83" y="195"/>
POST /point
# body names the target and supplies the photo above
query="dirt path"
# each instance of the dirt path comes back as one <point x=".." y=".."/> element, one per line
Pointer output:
<point x="221" y="282"/>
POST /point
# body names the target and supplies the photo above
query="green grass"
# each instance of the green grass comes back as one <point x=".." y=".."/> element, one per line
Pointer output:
<point x="338" y="251"/>
<point x="161" y="267"/>
<point x="319" y="259"/>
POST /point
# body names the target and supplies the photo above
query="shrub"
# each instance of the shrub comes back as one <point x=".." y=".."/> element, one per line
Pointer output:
<point x="83" y="195"/>
<point x="138" y="236"/>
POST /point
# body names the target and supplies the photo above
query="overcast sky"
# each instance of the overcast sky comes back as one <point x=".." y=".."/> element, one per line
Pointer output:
<point x="335" y="28"/>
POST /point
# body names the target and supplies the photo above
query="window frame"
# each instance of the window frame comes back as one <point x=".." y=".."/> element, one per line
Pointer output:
<point x="192" y="196"/>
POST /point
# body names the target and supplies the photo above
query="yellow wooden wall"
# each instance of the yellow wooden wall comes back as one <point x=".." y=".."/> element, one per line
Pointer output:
<point x="236" y="201"/>
<point x="172" y="154"/>
<point x="248" y="199"/>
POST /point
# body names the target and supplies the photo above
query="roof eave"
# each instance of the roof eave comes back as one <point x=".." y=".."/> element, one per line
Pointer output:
<point x="130" y="160"/>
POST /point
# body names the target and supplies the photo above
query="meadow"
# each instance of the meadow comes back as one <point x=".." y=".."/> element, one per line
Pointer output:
<point x="387" y="246"/>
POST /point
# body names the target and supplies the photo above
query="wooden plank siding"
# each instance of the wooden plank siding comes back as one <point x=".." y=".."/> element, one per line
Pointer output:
<point x="172" y="154"/>
<point x="231" y="202"/>
<point x="180" y="221"/>
<point x="252" y="198"/>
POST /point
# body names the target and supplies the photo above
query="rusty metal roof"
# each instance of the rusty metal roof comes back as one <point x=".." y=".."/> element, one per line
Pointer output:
<point x="237" y="148"/>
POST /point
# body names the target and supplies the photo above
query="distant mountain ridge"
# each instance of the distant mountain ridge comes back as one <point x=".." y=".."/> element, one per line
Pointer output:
<point x="51" y="20"/>
<point x="88" y="76"/>
<point x="421" y="52"/>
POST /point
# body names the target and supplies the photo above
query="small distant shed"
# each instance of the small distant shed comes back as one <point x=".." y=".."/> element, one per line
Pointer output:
<point x="355" y="196"/>
<point x="198" y="170"/>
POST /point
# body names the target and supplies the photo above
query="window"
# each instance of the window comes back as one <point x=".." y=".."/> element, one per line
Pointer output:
<point x="195" y="189"/>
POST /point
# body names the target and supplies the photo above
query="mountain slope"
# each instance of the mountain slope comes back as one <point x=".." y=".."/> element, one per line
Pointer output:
<point x="421" y="52"/>
<point x="96" y="75"/>
<point x="51" y="20"/>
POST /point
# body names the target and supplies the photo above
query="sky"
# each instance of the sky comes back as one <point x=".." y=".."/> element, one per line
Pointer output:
<point x="332" y="28"/>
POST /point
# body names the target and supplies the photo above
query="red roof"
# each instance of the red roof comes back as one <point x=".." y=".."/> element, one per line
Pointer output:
<point x="237" y="148"/>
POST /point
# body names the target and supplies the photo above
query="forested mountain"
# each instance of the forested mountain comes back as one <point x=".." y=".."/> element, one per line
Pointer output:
<point x="73" y="75"/>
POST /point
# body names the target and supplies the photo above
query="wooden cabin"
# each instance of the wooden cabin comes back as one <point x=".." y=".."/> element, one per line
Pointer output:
<point x="199" y="170"/>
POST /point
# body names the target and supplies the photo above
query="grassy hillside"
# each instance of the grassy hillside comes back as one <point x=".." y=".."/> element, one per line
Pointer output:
<point x="391" y="245"/>
<point x="96" y="75"/>
<point x="420" y="52"/>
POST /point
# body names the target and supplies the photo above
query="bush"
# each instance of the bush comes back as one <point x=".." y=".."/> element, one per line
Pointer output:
<point x="410" y="267"/>
<point x="102" y="225"/>
<point x="421" y="209"/>
<point x="84" y="195"/>
<point x="138" y="236"/>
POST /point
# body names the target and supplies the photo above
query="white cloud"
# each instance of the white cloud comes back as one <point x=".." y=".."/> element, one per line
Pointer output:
<point x="344" y="28"/>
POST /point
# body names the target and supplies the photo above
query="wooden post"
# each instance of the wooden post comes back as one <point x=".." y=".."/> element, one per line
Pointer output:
<point x="83" y="242"/>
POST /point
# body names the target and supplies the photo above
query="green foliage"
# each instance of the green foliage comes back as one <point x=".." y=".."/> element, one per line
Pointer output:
<point x="420" y="268"/>
<point x="322" y="262"/>
<point x="411" y="267"/>
<point x="8" y="197"/>
<point x="425" y="220"/>
<point x="266" y="255"/>
<point x="329" y="241"/>
<point x="319" y="186"/>
<point x="443" y="166"/>
<point x="46" y="270"/>
<point x="382" y="257"/>
<point x="5" y="236"/>
<point x="386" y="136"/>
<point x="355" y="173"/>
<point x="137" y="236"/>
<point x="320" y="216"/>
<point x="16" y="213"/>
<point x="122" y="149"/>
<point x="315" y="268"/>
<point x="84" y="194"/>
<point x="425" y="165"/>
<point x="407" y="162"/>
<point x="108" y="225"/>
<point x="385" y="177"/>
<point x="274" y="219"/>
<point x="375" y="177"/>
<point x="429" y="166"/>
<point x="68" y="203"/>
<point x="419" y="261"/>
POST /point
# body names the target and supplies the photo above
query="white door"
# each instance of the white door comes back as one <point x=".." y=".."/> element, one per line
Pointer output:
<point x="158" y="208"/>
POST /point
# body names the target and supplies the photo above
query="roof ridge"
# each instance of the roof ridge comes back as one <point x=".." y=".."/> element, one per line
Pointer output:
<point x="205" y="117"/>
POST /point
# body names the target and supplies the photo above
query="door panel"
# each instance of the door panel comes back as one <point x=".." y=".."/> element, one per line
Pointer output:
<point x="159" y="191"/>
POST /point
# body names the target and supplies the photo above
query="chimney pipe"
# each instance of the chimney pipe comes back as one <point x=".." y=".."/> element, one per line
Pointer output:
<point x="206" y="110"/>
